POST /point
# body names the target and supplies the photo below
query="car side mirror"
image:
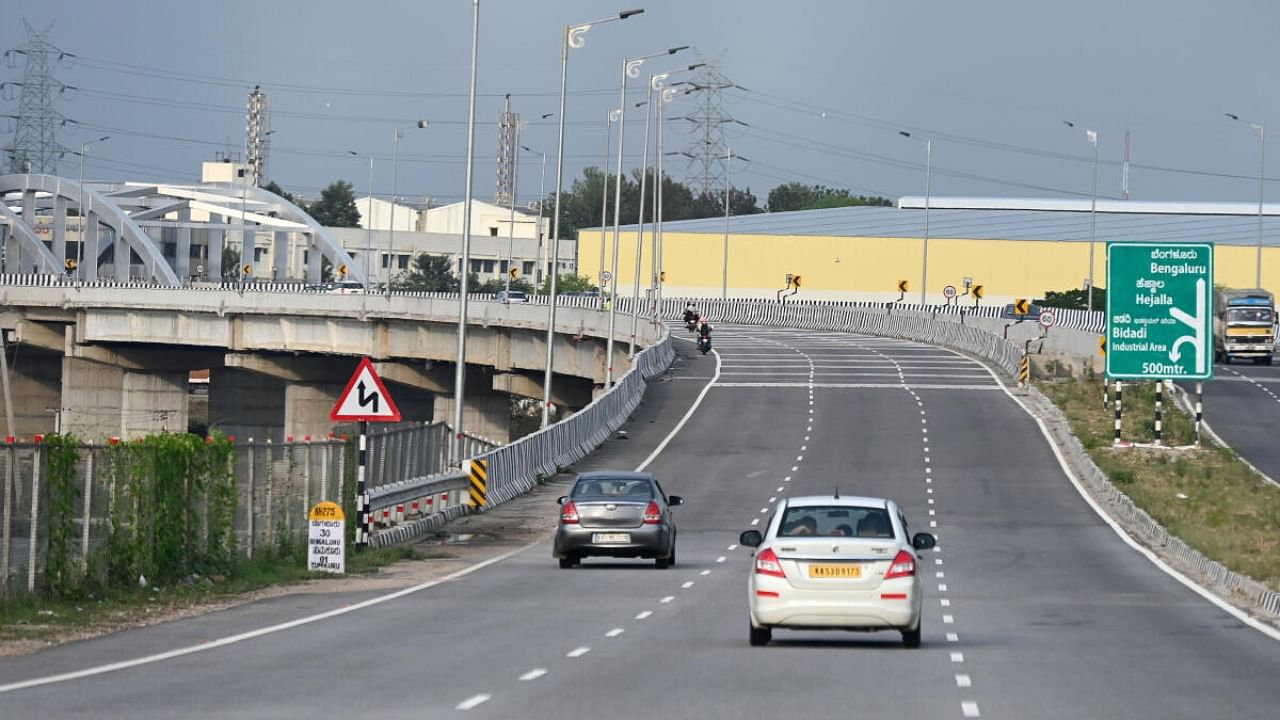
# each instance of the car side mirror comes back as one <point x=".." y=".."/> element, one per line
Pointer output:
<point x="674" y="500"/>
<point x="923" y="541"/>
<point x="560" y="500"/>
<point x="750" y="538"/>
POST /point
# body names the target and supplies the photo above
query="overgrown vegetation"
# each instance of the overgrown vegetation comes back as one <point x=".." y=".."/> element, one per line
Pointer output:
<point x="1205" y="496"/>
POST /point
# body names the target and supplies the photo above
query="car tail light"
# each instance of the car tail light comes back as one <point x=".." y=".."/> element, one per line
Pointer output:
<point x="904" y="565"/>
<point x="652" y="515"/>
<point x="569" y="513"/>
<point x="767" y="563"/>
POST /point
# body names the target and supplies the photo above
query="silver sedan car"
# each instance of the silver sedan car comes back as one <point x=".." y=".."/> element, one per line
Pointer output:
<point x="836" y="563"/>
<point x="616" y="514"/>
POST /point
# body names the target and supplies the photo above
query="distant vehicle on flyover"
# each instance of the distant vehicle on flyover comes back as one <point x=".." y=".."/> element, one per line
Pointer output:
<point x="1244" y="325"/>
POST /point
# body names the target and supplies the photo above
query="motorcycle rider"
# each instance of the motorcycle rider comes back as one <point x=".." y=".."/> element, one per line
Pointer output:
<point x="690" y="315"/>
<point x="704" y="333"/>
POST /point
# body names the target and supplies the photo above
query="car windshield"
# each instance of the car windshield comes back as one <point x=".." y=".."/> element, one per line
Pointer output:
<point x="1249" y="314"/>
<point x="836" y="521"/>
<point x="629" y="489"/>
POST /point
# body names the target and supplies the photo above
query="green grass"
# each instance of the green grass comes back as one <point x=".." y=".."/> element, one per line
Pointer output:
<point x="1205" y="496"/>
<point x="40" y="619"/>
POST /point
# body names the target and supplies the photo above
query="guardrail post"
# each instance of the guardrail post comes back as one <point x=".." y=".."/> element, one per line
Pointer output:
<point x="1119" y="405"/>
<point x="33" y="532"/>
<point x="88" y="513"/>
<point x="1199" y="409"/>
<point x="479" y="483"/>
<point x="251" y="507"/>
<point x="6" y="525"/>
<point x="362" y="492"/>
<point x="1159" y="409"/>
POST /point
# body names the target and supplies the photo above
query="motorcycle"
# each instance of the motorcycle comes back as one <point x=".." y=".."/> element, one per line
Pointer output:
<point x="692" y="323"/>
<point x="704" y="344"/>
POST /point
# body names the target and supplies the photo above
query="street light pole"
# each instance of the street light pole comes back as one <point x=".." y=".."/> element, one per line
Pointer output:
<point x="604" y="195"/>
<point x="511" y="225"/>
<point x="630" y="69"/>
<point x="541" y="196"/>
<point x="460" y="374"/>
<point x="574" y="37"/>
<point x="1262" y="165"/>
<point x="368" y="222"/>
<point x="928" y="183"/>
<point x="1092" y="135"/>
<point x="724" y="253"/>
<point x="395" y="164"/>
<point x="84" y="216"/>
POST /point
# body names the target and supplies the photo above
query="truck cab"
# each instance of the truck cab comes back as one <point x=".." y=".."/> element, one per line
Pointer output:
<point x="1244" y="325"/>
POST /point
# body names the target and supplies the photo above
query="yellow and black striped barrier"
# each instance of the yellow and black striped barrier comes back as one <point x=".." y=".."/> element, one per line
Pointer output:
<point x="479" y="483"/>
<point x="1024" y="374"/>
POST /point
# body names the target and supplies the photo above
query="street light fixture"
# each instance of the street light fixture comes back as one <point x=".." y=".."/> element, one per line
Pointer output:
<point x="630" y="69"/>
<point x="368" y="224"/>
<point x="395" y="163"/>
<point x="84" y="215"/>
<point x="574" y="37"/>
<point x="1262" y="164"/>
<point x="928" y="180"/>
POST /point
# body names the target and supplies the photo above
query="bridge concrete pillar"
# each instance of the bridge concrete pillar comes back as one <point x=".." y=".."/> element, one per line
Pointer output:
<point x="245" y="403"/>
<point x="216" y="240"/>
<point x="280" y="260"/>
<point x="182" y="257"/>
<point x="92" y="250"/>
<point x="485" y="414"/>
<point x="60" y="228"/>
<point x="100" y="400"/>
<point x="35" y="380"/>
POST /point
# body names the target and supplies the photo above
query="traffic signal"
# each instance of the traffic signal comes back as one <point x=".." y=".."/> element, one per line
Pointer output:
<point x="902" y="286"/>
<point x="796" y="281"/>
<point x="342" y="270"/>
<point x="514" y="273"/>
<point x="70" y="264"/>
<point x="977" y="292"/>
<point x="1021" y="306"/>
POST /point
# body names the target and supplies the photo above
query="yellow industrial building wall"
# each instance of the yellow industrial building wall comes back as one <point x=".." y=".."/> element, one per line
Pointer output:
<point x="869" y="268"/>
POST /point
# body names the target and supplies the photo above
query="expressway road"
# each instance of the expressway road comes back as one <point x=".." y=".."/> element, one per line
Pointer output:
<point x="1034" y="606"/>
<point x="1242" y="405"/>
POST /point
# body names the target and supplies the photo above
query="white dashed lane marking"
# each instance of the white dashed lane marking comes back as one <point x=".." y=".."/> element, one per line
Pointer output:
<point x="957" y="657"/>
<point x="970" y="709"/>
<point x="688" y="584"/>
<point x="578" y="652"/>
<point x="705" y="572"/>
<point x="963" y="680"/>
<point x="533" y="674"/>
<point x="473" y="701"/>
<point x="644" y="615"/>
<point x="667" y="599"/>
<point x="952" y="637"/>
<point x="615" y="632"/>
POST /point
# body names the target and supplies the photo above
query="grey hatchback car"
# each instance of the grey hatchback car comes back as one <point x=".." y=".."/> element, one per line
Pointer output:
<point x="616" y="514"/>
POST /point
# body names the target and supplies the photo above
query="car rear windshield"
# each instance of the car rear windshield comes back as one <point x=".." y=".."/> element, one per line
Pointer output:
<point x="617" y="489"/>
<point x="836" y="521"/>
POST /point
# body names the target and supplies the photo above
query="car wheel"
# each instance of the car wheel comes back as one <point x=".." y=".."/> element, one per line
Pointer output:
<point x="568" y="561"/>
<point x="662" y="562"/>
<point x="911" y="638"/>
<point x="760" y="636"/>
<point x="1267" y="360"/>
<point x="672" y="559"/>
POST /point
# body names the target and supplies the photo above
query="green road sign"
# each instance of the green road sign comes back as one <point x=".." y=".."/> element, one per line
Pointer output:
<point x="1159" y="311"/>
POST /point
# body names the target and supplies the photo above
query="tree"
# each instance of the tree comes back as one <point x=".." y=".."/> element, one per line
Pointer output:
<point x="568" y="284"/>
<point x="1075" y="299"/>
<point x="336" y="206"/>
<point x="428" y="273"/>
<point x="273" y="187"/>
<point x="799" y="196"/>
<point x="497" y="285"/>
<point x="230" y="263"/>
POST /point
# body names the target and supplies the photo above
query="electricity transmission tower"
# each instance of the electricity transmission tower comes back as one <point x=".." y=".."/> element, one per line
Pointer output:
<point x="508" y="134"/>
<point x="257" y="128"/>
<point x="706" y="150"/>
<point x="35" y="147"/>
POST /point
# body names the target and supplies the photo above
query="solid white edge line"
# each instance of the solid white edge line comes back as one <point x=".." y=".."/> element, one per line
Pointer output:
<point x="1190" y="584"/>
<point x="232" y="639"/>
<point x="692" y="409"/>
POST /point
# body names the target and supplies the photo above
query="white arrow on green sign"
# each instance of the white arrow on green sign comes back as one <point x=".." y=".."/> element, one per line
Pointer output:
<point x="1160" y="311"/>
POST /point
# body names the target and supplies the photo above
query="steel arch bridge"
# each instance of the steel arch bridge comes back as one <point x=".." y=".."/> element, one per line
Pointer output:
<point x="163" y="233"/>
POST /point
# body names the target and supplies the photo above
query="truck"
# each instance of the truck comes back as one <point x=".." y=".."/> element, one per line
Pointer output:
<point x="1244" y="325"/>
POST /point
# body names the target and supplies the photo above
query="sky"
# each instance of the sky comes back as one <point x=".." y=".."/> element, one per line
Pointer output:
<point x="822" y="88"/>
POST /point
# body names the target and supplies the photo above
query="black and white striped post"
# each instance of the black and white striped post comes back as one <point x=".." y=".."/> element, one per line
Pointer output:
<point x="1159" y="410"/>
<point x="1119" y="401"/>
<point x="1199" y="409"/>
<point x="362" y="491"/>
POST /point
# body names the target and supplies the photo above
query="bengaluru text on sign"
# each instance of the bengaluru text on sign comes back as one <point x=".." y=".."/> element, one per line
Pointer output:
<point x="1159" y="310"/>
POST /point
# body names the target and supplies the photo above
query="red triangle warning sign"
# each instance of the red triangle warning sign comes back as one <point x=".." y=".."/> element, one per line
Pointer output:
<point x="365" y="398"/>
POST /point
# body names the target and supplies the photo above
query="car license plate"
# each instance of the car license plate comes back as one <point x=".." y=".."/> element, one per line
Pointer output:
<point x="611" y="537"/>
<point x="835" y="571"/>
<point x="1248" y="331"/>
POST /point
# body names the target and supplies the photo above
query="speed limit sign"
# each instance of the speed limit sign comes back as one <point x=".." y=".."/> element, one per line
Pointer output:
<point x="605" y="276"/>
<point x="949" y="292"/>
<point x="1048" y="319"/>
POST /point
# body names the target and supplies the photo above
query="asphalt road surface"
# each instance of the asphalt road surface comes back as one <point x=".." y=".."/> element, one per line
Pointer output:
<point x="1034" y="607"/>
<point x="1242" y="405"/>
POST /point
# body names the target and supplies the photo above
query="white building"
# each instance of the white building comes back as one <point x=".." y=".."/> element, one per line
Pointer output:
<point x="390" y="254"/>
<point x="486" y="219"/>
<point x="406" y="217"/>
